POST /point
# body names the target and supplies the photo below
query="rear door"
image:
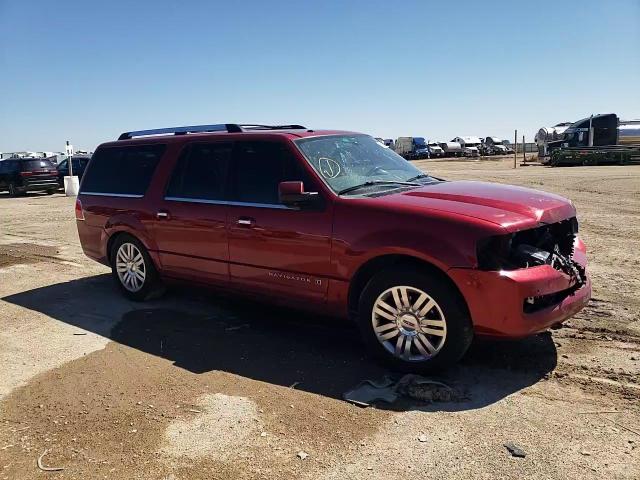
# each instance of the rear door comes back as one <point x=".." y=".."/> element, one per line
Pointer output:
<point x="274" y="249"/>
<point x="191" y="222"/>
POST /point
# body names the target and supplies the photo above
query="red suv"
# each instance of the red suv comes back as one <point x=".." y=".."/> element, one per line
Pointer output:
<point x="333" y="222"/>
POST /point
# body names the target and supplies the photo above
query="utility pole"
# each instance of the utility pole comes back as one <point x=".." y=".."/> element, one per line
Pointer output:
<point x="515" y="149"/>
<point x="524" y="151"/>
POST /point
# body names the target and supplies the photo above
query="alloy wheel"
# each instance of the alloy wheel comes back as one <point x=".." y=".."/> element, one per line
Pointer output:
<point x="409" y="323"/>
<point x="130" y="267"/>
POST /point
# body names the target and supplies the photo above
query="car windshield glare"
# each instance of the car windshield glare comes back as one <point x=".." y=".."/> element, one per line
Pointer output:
<point x="345" y="161"/>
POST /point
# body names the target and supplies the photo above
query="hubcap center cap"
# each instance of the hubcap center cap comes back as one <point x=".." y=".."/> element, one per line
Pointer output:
<point x="408" y="324"/>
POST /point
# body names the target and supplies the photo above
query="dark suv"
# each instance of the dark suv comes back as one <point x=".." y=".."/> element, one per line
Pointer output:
<point x="333" y="222"/>
<point x="22" y="175"/>
<point x="79" y="165"/>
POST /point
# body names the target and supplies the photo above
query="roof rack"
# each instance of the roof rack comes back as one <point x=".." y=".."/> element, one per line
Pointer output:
<point x="221" y="127"/>
<point x="272" y="127"/>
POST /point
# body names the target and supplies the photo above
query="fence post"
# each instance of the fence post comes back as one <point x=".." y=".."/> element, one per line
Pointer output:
<point x="515" y="149"/>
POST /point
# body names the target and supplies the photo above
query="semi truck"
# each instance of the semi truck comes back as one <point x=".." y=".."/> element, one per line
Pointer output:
<point x="412" y="148"/>
<point x="451" y="149"/>
<point x="470" y="145"/>
<point x="494" y="146"/>
<point x="596" y="140"/>
<point x="435" y="150"/>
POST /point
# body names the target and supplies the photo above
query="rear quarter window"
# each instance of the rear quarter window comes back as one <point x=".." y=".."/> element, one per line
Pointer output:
<point x="125" y="170"/>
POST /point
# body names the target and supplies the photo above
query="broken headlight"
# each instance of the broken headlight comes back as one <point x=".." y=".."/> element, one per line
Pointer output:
<point x="550" y="244"/>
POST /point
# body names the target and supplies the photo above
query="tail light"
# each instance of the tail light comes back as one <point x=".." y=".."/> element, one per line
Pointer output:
<point x="79" y="211"/>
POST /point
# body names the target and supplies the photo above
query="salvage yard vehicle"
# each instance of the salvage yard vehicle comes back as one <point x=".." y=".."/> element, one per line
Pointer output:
<point x="451" y="149"/>
<point x="494" y="146"/>
<point x="470" y="145"/>
<point x="435" y="150"/>
<point x="27" y="174"/>
<point x="79" y="165"/>
<point x="412" y="148"/>
<point x="332" y="222"/>
<point x="596" y="140"/>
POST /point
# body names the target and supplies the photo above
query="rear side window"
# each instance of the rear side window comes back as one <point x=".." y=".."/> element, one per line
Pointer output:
<point x="201" y="172"/>
<point x="122" y="170"/>
<point x="29" y="165"/>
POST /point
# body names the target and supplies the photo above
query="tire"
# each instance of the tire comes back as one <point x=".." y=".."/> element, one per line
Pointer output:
<point x="449" y="331"/>
<point x="133" y="270"/>
<point x="50" y="191"/>
<point x="13" y="190"/>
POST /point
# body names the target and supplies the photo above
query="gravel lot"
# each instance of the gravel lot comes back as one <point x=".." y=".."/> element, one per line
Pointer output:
<point x="198" y="385"/>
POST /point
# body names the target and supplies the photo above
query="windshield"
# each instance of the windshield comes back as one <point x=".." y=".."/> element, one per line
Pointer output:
<point x="419" y="142"/>
<point x="345" y="161"/>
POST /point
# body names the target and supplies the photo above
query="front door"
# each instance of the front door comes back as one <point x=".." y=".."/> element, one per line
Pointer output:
<point x="191" y="224"/>
<point x="274" y="249"/>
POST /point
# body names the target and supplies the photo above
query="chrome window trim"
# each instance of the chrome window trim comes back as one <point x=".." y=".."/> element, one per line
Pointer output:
<point x="278" y="206"/>
<point x="122" y="195"/>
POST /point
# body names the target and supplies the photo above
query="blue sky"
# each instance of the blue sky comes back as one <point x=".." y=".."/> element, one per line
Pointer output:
<point x="86" y="71"/>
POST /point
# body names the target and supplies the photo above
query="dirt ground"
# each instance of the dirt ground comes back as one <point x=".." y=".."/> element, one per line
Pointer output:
<point x="196" y="385"/>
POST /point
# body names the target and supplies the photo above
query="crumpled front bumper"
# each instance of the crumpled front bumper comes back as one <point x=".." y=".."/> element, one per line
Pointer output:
<point x="496" y="298"/>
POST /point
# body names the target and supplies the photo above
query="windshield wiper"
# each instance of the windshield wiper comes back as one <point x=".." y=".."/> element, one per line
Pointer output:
<point x="376" y="182"/>
<point x="422" y="175"/>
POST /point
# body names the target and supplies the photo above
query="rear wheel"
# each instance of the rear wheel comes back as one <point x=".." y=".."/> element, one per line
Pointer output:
<point x="414" y="321"/>
<point x="133" y="270"/>
<point x="13" y="190"/>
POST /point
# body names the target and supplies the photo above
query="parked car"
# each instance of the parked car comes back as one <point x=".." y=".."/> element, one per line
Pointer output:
<point x="27" y="174"/>
<point x="332" y="222"/>
<point x="79" y="165"/>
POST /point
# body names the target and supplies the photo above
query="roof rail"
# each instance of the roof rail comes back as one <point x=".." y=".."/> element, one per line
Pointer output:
<point x="272" y="127"/>
<point x="221" y="127"/>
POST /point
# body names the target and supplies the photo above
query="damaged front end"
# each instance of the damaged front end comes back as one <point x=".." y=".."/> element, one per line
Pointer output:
<point x="550" y="244"/>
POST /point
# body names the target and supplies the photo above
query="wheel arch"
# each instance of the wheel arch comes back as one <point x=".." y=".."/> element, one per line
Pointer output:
<point x="377" y="264"/>
<point x="120" y="233"/>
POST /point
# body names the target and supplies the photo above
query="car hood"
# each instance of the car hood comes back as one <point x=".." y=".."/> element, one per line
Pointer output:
<point x="513" y="208"/>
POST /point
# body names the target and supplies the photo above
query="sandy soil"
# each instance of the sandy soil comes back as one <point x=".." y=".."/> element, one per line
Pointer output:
<point x="198" y="385"/>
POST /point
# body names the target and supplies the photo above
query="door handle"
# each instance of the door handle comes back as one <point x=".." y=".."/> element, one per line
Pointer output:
<point x="246" y="222"/>
<point x="162" y="214"/>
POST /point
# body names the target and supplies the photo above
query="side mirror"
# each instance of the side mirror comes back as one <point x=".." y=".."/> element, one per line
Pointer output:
<point x="292" y="194"/>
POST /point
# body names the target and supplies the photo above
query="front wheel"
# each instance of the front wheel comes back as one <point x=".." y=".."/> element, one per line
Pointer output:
<point x="414" y="321"/>
<point x="133" y="269"/>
